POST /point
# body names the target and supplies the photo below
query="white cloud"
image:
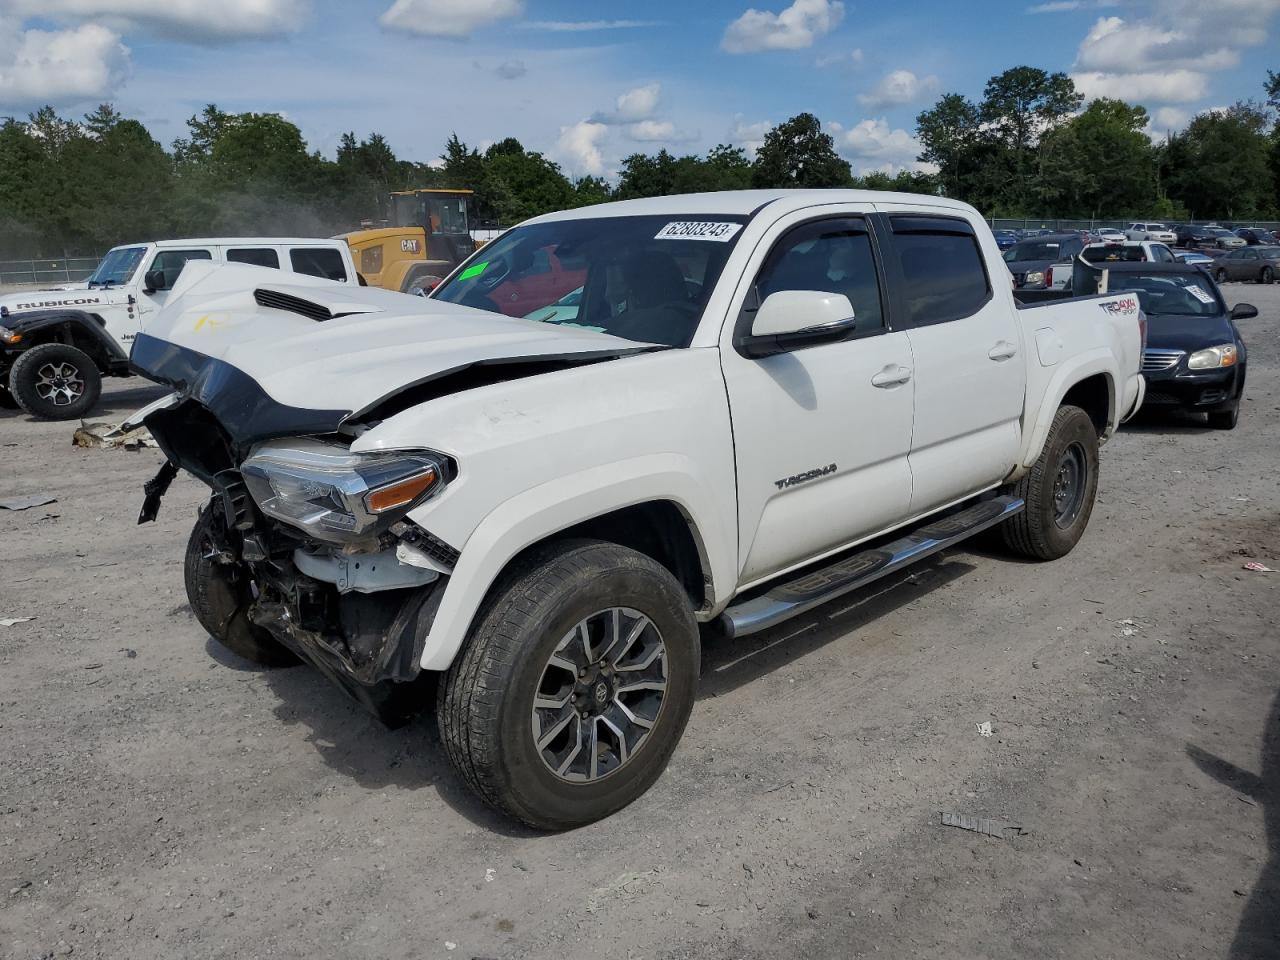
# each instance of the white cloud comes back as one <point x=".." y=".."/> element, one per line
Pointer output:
<point x="659" y="131"/>
<point x="580" y="26"/>
<point x="898" y="88"/>
<point x="1167" y="54"/>
<point x="749" y="135"/>
<point x="1063" y="6"/>
<point x="1173" y="86"/>
<point x="59" y="67"/>
<point x="511" y="69"/>
<point x="874" y="145"/>
<point x="579" y="148"/>
<point x="794" y="28"/>
<point x="193" y="21"/>
<point x="853" y="56"/>
<point x="448" y="18"/>
<point x="634" y="105"/>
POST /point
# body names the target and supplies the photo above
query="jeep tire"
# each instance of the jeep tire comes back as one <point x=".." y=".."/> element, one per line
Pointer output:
<point x="55" y="381"/>
<point x="574" y="686"/>
<point x="1059" y="490"/>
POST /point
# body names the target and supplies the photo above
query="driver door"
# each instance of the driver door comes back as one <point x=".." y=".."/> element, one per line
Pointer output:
<point x="821" y="434"/>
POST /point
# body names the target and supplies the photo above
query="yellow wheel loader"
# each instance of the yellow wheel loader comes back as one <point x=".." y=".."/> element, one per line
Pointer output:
<point x="429" y="236"/>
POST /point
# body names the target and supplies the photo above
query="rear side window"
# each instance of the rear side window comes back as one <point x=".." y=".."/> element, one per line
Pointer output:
<point x="943" y="276"/>
<point x="257" y="256"/>
<point x="318" y="262"/>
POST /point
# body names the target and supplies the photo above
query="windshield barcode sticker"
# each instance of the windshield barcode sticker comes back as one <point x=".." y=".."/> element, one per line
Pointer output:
<point x="698" y="230"/>
<point x="1200" y="293"/>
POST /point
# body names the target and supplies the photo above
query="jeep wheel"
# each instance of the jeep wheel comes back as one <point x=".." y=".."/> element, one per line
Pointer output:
<point x="220" y="595"/>
<point x="1059" y="490"/>
<point x="574" y="686"/>
<point x="54" y="381"/>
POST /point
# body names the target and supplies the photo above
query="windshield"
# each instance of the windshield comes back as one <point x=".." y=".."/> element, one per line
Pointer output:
<point x="1183" y="295"/>
<point x="1113" y="252"/>
<point x="117" y="266"/>
<point x="1034" y="250"/>
<point x="1223" y="233"/>
<point x="640" y="278"/>
<point x="439" y="213"/>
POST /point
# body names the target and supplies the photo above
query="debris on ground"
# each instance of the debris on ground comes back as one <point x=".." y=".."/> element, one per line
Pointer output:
<point x="1128" y="627"/>
<point x="92" y="434"/>
<point x="984" y="728"/>
<point x="27" y="502"/>
<point x="1257" y="567"/>
<point x="992" y="828"/>
<point x="626" y="886"/>
<point x="10" y="621"/>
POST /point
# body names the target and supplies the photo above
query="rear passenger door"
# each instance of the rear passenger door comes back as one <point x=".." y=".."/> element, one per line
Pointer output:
<point x="821" y="434"/>
<point x="318" y="262"/>
<point x="970" y="379"/>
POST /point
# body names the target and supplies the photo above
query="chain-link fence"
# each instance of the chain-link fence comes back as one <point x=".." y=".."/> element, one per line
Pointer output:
<point x="1029" y="223"/>
<point x="46" y="272"/>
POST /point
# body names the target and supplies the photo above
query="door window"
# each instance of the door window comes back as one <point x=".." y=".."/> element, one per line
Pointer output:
<point x="1249" y="255"/>
<point x="256" y="256"/>
<point x="318" y="262"/>
<point x="831" y="256"/>
<point x="943" y="276"/>
<point x="170" y="263"/>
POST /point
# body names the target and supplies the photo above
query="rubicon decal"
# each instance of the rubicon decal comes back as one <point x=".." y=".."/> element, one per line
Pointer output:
<point x="41" y="304"/>
<point x="1125" y="305"/>
<point x="804" y="477"/>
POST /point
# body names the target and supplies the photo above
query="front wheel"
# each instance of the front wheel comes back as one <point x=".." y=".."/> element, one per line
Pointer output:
<point x="1059" y="490"/>
<point x="55" y="381"/>
<point x="1268" y="275"/>
<point x="1220" y="275"/>
<point x="574" y="686"/>
<point x="1225" y="419"/>
<point x="220" y="594"/>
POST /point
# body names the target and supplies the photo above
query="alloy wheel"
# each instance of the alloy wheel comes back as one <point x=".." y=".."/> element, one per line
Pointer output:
<point x="60" y="383"/>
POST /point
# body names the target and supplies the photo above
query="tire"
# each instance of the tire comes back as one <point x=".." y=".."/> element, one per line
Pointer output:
<point x="55" y="381"/>
<point x="1044" y="530"/>
<point x="1225" y="419"/>
<point x="1267" y="276"/>
<point x="220" y="596"/>
<point x="486" y="700"/>
<point x="1220" y="275"/>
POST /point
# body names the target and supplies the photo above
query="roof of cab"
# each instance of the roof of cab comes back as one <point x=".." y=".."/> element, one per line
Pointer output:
<point x="241" y="242"/>
<point x="742" y="203"/>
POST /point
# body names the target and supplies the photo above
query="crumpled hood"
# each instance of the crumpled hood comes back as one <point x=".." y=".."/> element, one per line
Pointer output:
<point x="375" y="344"/>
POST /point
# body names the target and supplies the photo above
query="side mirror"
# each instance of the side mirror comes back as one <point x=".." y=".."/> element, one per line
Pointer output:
<point x="792" y="319"/>
<point x="1243" y="311"/>
<point x="152" y="281"/>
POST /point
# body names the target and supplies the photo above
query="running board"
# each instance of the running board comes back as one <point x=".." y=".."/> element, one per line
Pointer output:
<point x="812" y="589"/>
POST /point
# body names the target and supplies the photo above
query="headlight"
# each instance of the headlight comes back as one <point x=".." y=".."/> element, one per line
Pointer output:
<point x="1033" y="276"/>
<point x="1212" y="358"/>
<point x="334" y="494"/>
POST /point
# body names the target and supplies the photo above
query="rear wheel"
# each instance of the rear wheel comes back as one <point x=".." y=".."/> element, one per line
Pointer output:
<point x="574" y="686"/>
<point x="55" y="381"/>
<point x="1220" y="275"/>
<point x="220" y="595"/>
<point x="1267" y="276"/>
<point x="1059" y="490"/>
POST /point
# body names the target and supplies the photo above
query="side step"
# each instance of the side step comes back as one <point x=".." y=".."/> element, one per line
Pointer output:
<point x="814" y="588"/>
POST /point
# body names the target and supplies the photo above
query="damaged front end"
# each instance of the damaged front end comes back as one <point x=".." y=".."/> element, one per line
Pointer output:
<point x="331" y="567"/>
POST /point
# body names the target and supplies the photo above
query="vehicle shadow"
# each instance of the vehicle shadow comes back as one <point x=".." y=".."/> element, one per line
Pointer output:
<point x="1165" y="421"/>
<point x="1258" y="934"/>
<point x="731" y="663"/>
<point x="113" y="406"/>
<point x="354" y="743"/>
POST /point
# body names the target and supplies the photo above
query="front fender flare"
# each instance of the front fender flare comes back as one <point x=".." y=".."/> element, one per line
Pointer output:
<point x="35" y="321"/>
<point x="551" y="507"/>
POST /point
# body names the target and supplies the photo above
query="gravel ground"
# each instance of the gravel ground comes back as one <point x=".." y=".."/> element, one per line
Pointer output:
<point x="161" y="799"/>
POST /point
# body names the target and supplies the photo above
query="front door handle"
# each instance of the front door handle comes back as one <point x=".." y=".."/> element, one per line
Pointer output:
<point x="1003" y="350"/>
<point x="891" y="376"/>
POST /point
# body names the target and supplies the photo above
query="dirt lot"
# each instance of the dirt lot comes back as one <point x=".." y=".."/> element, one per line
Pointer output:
<point x="160" y="799"/>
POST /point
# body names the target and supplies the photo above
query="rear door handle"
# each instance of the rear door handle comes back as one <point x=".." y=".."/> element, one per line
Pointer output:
<point x="1003" y="350"/>
<point x="891" y="376"/>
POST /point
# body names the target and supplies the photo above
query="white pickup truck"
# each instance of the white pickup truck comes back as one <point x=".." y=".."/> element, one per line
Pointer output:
<point x="56" y="345"/>
<point x="763" y="400"/>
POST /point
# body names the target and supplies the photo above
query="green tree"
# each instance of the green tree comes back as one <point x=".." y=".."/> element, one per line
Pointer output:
<point x="797" y="153"/>
<point x="1220" y="165"/>
<point x="1019" y="107"/>
<point x="951" y="133"/>
<point x="1099" y="164"/>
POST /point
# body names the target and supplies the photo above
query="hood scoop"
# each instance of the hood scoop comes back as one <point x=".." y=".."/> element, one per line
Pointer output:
<point x="279" y="300"/>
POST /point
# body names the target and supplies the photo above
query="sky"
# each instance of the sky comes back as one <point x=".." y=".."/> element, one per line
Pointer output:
<point x="589" y="83"/>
